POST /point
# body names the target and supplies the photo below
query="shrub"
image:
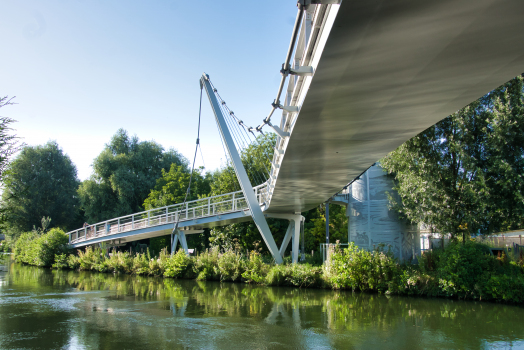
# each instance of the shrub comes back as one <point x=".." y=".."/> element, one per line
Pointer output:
<point x="177" y="265"/>
<point x="231" y="265"/>
<point x="60" y="261"/>
<point x="463" y="269"/>
<point x="73" y="261"/>
<point x="507" y="288"/>
<point x="363" y="270"/>
<point x="206" y="265"/>
<point x="305" y="275"/>
<point x="120" y="262"/>
<point x="141" y="263"/>
<point x="256" y="269"/>
<point x="278" y="275"/>
<point x="40" y="250"/>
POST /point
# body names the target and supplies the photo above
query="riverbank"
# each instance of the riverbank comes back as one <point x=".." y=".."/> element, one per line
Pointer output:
<point x="461" y="271"/>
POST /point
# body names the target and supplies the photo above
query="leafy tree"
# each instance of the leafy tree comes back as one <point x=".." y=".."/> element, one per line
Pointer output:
<point x="464" y="174"/>
<point x="172" y="186"/>
<point x="256" y="159"/>
<point x="124" y="174"/>
<point x="40" y="182"/>
<point x="8" y="143"/>
<point x="171" y="189"/>
<point x="315" y="226"/>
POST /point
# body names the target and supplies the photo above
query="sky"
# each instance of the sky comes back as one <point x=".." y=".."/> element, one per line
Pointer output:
<point x="82" y="69"/>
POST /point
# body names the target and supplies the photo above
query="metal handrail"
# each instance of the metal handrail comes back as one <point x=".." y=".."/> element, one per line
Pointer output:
<point x="198" y="208"/>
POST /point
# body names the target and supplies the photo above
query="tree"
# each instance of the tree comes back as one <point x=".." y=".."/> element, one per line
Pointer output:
<point x="8" y="143"/>
<point x="315" y="226"/>
<point x="40" y="182"/>
<point x="172" y="186"/>
<point x="124" y="173"/>
<point x="256" y="159"/>
<point x="464" y="174"/>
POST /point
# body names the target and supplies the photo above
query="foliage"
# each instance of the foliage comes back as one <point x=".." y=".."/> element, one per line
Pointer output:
<point x="464" y="271"/>
<point x="206" y="265"/>
<point x="141" y="263"/>
<point x="315" y="226"/>
<point x="8" y="142"/>
<point x="231" y="266"/>
<point x="41" y="182"/>
<point x="256" y="269"/>
<point x="363" y="270"/>
<point x="464" y="174"/>
<point x="124" y="174"/>
<point x="177" y="265"/>
<point x="61" y="261"/>
<point x="295" y="275"/>
<point x="171" y="187"/>
<point x="40" y="250"/>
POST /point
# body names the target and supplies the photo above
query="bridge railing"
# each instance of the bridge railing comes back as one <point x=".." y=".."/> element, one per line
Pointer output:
<point x="205" y="207"/>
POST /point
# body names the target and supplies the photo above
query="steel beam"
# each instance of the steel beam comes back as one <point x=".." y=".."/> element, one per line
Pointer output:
<point x="245" y="184"/>
<point x="294" y="230"/>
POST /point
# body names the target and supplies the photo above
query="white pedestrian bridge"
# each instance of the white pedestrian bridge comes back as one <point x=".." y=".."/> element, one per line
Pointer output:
<point x="362" y="77"/>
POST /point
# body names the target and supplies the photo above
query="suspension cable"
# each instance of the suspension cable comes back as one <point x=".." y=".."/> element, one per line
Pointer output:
<point x="194" y="159"/>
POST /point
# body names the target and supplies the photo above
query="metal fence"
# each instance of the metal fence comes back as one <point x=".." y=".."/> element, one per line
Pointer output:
<point x="205" y="207"/>
<point x="327" y="248"/>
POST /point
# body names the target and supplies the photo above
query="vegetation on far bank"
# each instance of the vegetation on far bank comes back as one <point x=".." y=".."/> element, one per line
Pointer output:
<point x="462" y="270"/>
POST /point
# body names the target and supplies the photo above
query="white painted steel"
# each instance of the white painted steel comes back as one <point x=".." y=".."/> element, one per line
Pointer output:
<point x="243" y="179"/>
<point x="201" y="208"/>
<point x="384" y="71"/>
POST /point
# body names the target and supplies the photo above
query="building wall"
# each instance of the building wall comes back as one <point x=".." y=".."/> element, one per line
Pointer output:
<point x="370" y="220"/>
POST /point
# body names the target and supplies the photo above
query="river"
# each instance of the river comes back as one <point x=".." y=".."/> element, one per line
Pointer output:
<point x="48" y="309"/>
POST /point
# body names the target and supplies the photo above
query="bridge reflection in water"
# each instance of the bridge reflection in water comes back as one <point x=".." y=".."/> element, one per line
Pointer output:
<point x="57" y="309"/>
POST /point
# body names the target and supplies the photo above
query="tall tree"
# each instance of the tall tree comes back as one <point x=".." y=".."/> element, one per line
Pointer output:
<point x="464" y="174"/>
<point x="124" y="174"/>
<point x="40" y="182"/>
<point x="172" y="186"/>
<point x="9" y="144"/>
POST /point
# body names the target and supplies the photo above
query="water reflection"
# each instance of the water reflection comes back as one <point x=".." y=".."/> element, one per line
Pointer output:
<point x="83" y="309"/>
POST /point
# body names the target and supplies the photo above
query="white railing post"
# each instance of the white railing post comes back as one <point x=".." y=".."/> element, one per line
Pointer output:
<point x="209" y="206"/>
<point x="118" y="228"/>
<point x="148" y="215"/>
<point x="233" y="204"/>
<point x="167" y="212"/>
<point x="132" y="221"/>
<point x="187" y="211"/>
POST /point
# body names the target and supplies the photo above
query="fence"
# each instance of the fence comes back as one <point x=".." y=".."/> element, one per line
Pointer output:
<point x="205" y="207"/>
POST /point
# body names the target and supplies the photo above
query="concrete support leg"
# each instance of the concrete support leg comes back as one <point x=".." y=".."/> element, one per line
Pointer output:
<point x="178" y="236"/>
<point x="174" y="242"/>
<point x="292" y="234"/>
<point x="287" y="237"/>
<point x="296" y="239"/>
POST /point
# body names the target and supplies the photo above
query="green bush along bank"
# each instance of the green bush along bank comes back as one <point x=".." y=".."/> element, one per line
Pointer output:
<point x="463" y="271"/>
<point x="38" y="249"/>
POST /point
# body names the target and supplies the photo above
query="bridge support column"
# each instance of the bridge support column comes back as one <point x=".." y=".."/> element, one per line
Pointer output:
<point x="243" y="179"/>
<point x="292" y="234"/>
<point x="178" y="236"/>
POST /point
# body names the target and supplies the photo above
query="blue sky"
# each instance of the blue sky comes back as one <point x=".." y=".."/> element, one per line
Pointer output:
<point x="82" y="69"/>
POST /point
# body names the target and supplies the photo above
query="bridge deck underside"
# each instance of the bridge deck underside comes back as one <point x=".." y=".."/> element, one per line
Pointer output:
<point x="389" y="70"/>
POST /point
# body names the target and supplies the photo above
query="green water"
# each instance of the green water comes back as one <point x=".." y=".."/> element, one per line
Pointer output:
<point x="45" y="309"/>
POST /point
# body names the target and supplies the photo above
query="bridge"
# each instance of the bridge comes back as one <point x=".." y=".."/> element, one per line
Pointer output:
<point x="362" y="78"/>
